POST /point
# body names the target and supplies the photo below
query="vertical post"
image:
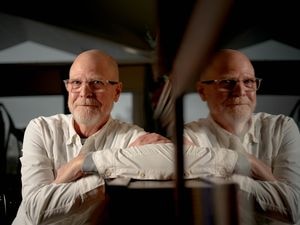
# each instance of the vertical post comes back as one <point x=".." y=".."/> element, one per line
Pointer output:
<point x="3" y="146"/>
<point x="179" y="166"/>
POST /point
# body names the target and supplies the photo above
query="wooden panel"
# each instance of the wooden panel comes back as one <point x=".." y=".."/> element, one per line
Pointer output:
<point x="43" y="79"/>
<point x="29" y="79"/>
<point x="133" y="77"/>
<point x="279" y="77"/>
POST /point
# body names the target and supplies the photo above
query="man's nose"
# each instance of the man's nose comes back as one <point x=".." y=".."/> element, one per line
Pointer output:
<point x="85" y="89"/>
<point x="240" y="88"/>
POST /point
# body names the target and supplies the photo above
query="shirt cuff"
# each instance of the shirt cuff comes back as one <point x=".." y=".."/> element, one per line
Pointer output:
<point x="242" y="165"/>
<point x="88" y="164"/>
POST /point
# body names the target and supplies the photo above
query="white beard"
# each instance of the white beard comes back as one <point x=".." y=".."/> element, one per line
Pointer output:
<point x="239" y="114"/>
<point x="86" y="116"/>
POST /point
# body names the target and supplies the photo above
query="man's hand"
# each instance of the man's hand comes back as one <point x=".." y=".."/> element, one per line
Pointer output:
<point x="71" y="171"/>
<point x="150" y="138"/>
<point x="259" y="170"/>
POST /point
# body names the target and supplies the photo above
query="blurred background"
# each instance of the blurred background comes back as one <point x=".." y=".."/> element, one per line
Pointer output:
<point x="40" y="39"/>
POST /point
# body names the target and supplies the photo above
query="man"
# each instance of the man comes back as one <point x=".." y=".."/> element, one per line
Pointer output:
<point x="67" y="157"/>
<point x="268" y="146"/>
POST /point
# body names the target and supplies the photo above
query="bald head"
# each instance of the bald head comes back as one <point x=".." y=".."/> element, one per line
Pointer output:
<point x="93" y="88"/>
<point x="97" y="62"/>
<point x="228" y="85"/>
<point x="225" y="61"/>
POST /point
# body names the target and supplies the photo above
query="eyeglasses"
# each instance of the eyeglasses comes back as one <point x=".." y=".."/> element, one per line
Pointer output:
<point x="227" y="85"/>
<point x="94" y="85"/>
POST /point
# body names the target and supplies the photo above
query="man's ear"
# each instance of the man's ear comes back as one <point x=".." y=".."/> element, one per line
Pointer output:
<point x="118" y="91"/>
<point x="200" y="90"/>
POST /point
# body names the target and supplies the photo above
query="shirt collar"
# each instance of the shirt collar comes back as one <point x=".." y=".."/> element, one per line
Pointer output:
<point x="253" y="134"/>
<point x="74" y="136"/>
<point x="224" y="134"/>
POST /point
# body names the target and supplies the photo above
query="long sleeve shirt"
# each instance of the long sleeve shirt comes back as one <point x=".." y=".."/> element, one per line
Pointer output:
<point x="50" y="142"/>
<point x="275" y="140"/>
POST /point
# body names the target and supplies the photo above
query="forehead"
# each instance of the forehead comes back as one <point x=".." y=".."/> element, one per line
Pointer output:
<point x="87" y="67"/>
<point x="86" y="73"/>
<point x="229" y="65"/>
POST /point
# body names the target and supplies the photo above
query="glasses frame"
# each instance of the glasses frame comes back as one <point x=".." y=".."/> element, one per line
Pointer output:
<point x="76" y="89"/>
<point x="257" y="81"/>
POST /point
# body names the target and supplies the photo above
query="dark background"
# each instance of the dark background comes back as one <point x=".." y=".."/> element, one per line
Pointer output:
<point x="131" y="21"/>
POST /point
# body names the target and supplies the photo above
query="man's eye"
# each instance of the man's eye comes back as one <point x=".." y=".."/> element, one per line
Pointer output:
<point x="249" y="81"/>
<point x="97" y="82"/>
<point x="76" y="82"/>
<point x="228" y="82"/>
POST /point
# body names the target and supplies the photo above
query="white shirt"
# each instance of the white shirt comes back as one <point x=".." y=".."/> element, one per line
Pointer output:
<point x="50" y="142"/>
<point x="275" y="140"/>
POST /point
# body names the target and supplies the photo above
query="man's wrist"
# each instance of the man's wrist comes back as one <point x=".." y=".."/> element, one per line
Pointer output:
<point x="88" y="164"/>
<point x="243" y="165"/>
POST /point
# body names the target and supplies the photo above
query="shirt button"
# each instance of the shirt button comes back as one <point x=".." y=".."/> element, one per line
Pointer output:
<point x="142" y="174"/>
<point x="107" y="173"/>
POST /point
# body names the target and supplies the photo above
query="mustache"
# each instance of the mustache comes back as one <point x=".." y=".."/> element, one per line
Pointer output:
<point x="87" y="102"/>
<point x="237" y="101"/>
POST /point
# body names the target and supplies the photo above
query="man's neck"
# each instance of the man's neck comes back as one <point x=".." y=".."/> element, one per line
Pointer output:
<point x="85" y="131"/>
<point x="235" y="126"/>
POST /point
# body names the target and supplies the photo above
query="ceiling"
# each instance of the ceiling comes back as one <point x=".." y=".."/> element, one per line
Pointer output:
<point x="122" y="21"/>
<point x="134" y="22"/>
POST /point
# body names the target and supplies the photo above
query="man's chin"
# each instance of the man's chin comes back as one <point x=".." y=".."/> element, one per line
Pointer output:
<point x="87" y="118"/>
<point x="241" y="115"/>
<point x="239" y="111"/>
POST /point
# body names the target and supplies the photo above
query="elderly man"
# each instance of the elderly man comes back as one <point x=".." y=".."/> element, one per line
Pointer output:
<point x="267" y="146"/>
<point x="66" y="157"/>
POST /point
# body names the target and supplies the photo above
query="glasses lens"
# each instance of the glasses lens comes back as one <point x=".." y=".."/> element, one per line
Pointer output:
<point x="258" y="82"/>
<point x="226" y="85"/>
<point x="229" y="84"/>
<point x="250" y="83"/>
<point x="96" y="84"/>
